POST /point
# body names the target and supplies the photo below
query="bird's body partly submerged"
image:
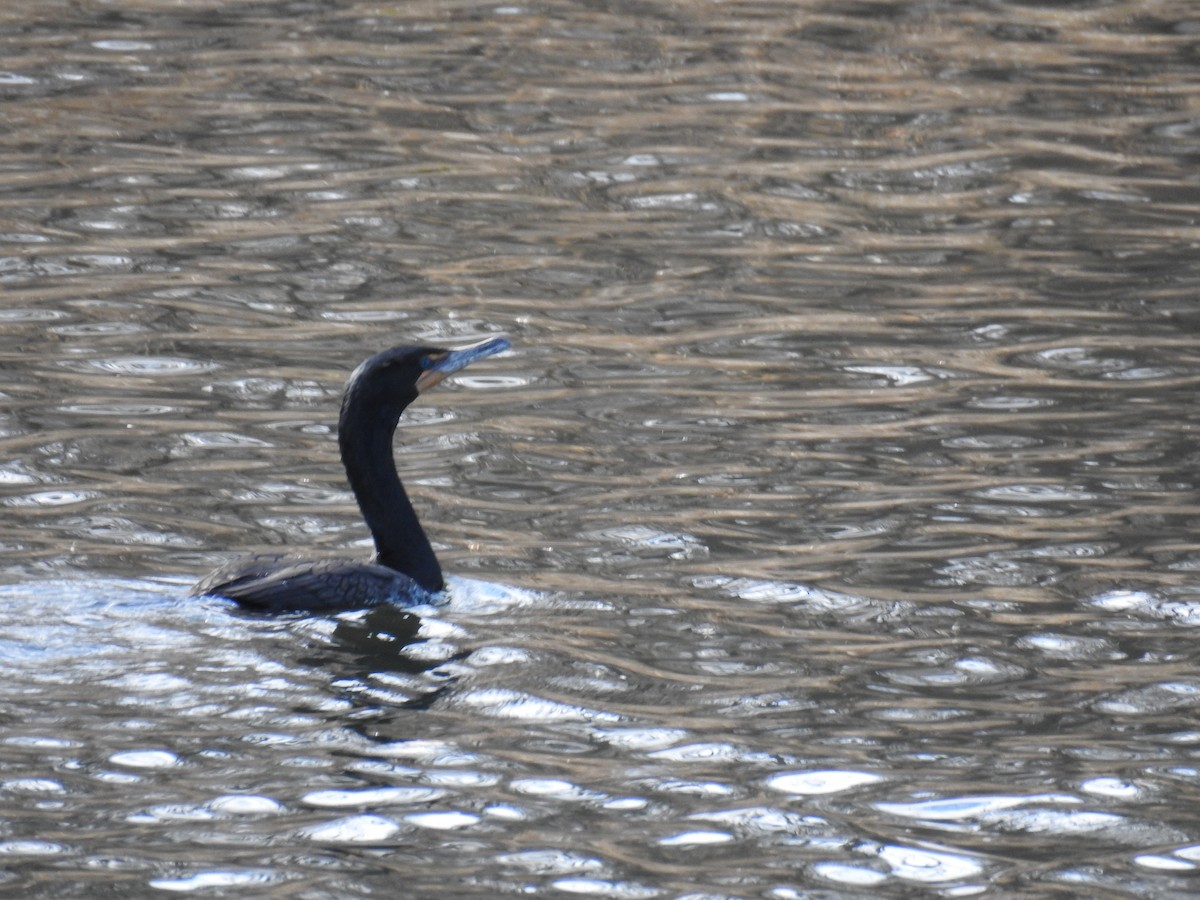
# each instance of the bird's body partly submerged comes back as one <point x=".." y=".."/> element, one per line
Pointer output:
<point x="404" y="569"/>
<point x="285" y="583"/>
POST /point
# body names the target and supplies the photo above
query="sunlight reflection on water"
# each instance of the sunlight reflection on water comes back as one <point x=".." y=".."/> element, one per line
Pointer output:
<point x="830" y="530"/>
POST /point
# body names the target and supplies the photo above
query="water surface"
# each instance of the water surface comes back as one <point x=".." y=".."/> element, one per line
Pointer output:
<point x="829" y="532"/>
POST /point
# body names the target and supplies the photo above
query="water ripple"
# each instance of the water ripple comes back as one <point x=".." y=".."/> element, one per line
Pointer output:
<point x="821" y="781"/>
<point x="838" y="495"/>
<point x="142" y="366"/>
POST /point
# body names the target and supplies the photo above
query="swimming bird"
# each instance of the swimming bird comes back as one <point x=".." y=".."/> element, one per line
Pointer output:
<point x="404" y="569"/>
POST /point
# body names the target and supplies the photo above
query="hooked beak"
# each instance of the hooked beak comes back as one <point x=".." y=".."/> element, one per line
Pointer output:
<point x="453" y="360"/>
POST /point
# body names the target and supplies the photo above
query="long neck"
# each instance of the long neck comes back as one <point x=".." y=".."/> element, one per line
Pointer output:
<point x="365" y="437"/>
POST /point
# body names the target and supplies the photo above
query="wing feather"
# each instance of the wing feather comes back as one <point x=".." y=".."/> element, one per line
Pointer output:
<point x="280" y="583"/>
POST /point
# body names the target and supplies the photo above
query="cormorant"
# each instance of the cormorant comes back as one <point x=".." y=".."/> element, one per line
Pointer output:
<point x="404" y="568"/>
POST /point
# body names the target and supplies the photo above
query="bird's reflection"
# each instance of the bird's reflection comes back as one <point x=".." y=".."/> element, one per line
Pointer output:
<point x="376" y="640"/>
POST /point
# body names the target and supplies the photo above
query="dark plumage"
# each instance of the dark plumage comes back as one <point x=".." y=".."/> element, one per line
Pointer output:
<point x="404" y="568"/>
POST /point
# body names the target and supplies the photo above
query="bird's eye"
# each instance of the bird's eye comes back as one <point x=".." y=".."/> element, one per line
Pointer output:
<point x="426" y="362"/>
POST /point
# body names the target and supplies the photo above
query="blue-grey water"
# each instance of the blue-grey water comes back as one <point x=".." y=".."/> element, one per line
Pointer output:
<point x="830" y="531"/>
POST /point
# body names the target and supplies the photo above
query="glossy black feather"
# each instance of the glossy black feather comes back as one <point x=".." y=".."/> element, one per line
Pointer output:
<point x="292" y="583"/>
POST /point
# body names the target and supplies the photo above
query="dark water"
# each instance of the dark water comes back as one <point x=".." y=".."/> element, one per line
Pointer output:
<point x="830" y="533"/>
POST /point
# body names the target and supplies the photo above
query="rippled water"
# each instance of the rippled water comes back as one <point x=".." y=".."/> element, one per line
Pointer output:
<point x="829" y="533"/>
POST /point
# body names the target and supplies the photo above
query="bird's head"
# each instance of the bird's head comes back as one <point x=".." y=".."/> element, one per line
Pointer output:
<point x="395" y="377"/>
